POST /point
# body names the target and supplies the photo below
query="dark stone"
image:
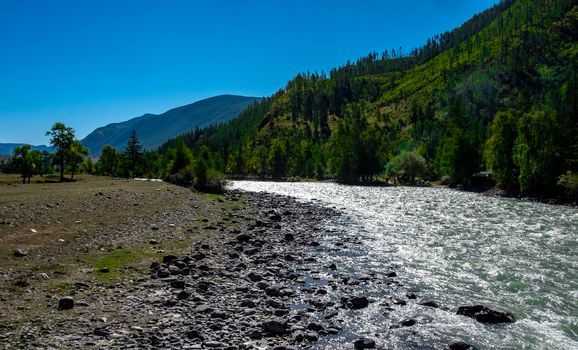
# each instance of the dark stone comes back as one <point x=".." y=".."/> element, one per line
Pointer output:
<point x="244" y="238"/>
<point x="274" y="290"/>
<point x="254" y="277"/>
<point x="199" y="256"/>
<point x="408" y="323"/>
<point x="357" y="303"/>
<point x="275" y="217"/>
<point x="459" y="345"/>
<point x="194" y="334"/>
<point x="314" y="326"/>
<point x="411" y="296"/>
<point x="101" y="332"/>
<point x="163" y="273"/>
<point x="274" y="327"/>
<point x="65" y="303"/>
<point x="429" y="303"/>
<point x="219" y="314"/>
<point x="289" y="237"/>
<point x="19" y="253"/>
<point x="364" y="343"/>
<point x="178" y="284"/>
<point x="332" y="267"/>
<point x="314" y="244"/>
<point x="248" y="303"/>
<point x="483" y="314"/>
<point x="312" y="336"/>
<point x="104" y="270"/>
<point x="280" y="312"/>
<point x="255" y="334"/>
<point x="183" y="295"/>
<point x="392" y="274"/>
<point x="213" y="344"/>
<point x="168" y="258"/>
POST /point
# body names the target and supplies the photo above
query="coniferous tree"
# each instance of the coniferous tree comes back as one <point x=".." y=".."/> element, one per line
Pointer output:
<point x="133" y="153"/>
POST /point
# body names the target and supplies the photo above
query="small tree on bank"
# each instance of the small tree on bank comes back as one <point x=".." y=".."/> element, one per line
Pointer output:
<point x="75" y="156"/>
<point x="26" y="161"/>
<point x="109" y="160"/>
<point x="133" y="153"/>
<point x="61" y="138"/>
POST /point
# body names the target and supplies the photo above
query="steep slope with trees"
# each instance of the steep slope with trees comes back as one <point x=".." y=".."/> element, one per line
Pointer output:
<point x="154" y="130"/>
<point x="498" y="93"/>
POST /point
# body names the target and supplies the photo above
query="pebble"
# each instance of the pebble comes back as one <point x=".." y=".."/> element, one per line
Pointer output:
<point x="66" y="303"/>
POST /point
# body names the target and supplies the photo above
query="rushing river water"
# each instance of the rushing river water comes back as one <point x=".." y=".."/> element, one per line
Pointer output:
<point x="456" y="248"/>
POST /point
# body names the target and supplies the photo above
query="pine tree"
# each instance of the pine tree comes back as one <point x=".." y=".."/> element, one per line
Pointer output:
<point x="133" y="152"/>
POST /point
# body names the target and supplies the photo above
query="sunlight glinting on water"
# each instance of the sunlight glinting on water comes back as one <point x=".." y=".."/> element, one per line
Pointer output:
<point x="455" y="248"/>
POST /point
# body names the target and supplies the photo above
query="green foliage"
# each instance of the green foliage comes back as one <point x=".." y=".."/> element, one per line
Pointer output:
<point x="25" y="161"/>
<point x="134" y="154"/>
<point x="109" y="161"/>
<point x="61" y="138"/>
<point x="408" y="168"/>
<point x="497" y="92"/>
<point x="569" y="183"/>
<point x="499" y="147"/>
<point x="536" y="152"/>
<point x="75" y="157"/>
<point x="182" y="157"/>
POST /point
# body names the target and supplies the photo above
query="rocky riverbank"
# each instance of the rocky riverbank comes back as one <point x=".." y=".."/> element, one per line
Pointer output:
<point x="191" y="271"/>
<point x="234" y="288"/>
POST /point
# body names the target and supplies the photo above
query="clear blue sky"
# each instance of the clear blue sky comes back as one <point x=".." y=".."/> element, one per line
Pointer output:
<point x="90" y="63"/>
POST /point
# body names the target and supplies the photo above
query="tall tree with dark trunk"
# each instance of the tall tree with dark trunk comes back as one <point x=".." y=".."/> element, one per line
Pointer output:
<point x="133" y="152"/>
<point x="61" y="138"/>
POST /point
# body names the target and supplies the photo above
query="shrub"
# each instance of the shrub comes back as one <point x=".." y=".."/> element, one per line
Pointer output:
<point x="214" y="182"/>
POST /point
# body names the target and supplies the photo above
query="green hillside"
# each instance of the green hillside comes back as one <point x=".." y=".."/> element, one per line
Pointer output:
<point x="154" y="130"/>
<point x="497" y="94"/>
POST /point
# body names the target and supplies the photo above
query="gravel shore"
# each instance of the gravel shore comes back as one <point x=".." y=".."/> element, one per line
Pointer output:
<point x="222" y="274"/>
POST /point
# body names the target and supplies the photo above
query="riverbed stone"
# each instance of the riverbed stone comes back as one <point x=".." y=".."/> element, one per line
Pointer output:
<point x="66" y="303"/>
<point x="274" y="327"/>
<point x="484" y="314"/>
<point x="364" y="343"/>
<point x="459" y="345"/>
<point x="357" y="303"/>
<point x="19" y="253"/>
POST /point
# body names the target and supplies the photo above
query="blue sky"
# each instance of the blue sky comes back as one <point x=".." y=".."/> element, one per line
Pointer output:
<point x="90" y="63"/>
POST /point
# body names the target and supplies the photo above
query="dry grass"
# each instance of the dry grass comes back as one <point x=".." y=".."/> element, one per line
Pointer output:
<point x="72" y="230"/>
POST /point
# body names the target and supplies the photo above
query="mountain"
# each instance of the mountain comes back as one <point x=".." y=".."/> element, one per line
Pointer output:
<point x="8" y="148"/>
<point x="153" y="130"/>
<point x="497" y="94"/>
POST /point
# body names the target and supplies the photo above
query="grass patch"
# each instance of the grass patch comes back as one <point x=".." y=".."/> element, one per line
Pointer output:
<point x="121" y="264"/>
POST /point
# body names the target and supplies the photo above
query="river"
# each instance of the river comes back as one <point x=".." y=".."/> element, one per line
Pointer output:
<point x="456" y="248"/>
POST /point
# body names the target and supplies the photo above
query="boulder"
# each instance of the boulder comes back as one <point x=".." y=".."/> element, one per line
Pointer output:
<point x="429" y="303"/>
<point x="484" y="314"/>
<point x="254" y="277"/>
<point x="459" y="345"/>
<point x="65" y="303"/>
<point x="364" y="343"/>
<point x="357" y="303"/>
<point x="169" y="258"/>
<point x="19" y="253"/>
<point x="274" y="327"/>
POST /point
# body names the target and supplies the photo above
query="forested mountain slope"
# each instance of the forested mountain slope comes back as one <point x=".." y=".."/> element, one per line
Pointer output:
<point x="154" y="130"/>
<point x="498" y="93"/>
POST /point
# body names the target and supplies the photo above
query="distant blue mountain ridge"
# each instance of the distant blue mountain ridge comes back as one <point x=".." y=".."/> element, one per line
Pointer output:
<point x="155" y="129"/>
<point x="8" y="148"/>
